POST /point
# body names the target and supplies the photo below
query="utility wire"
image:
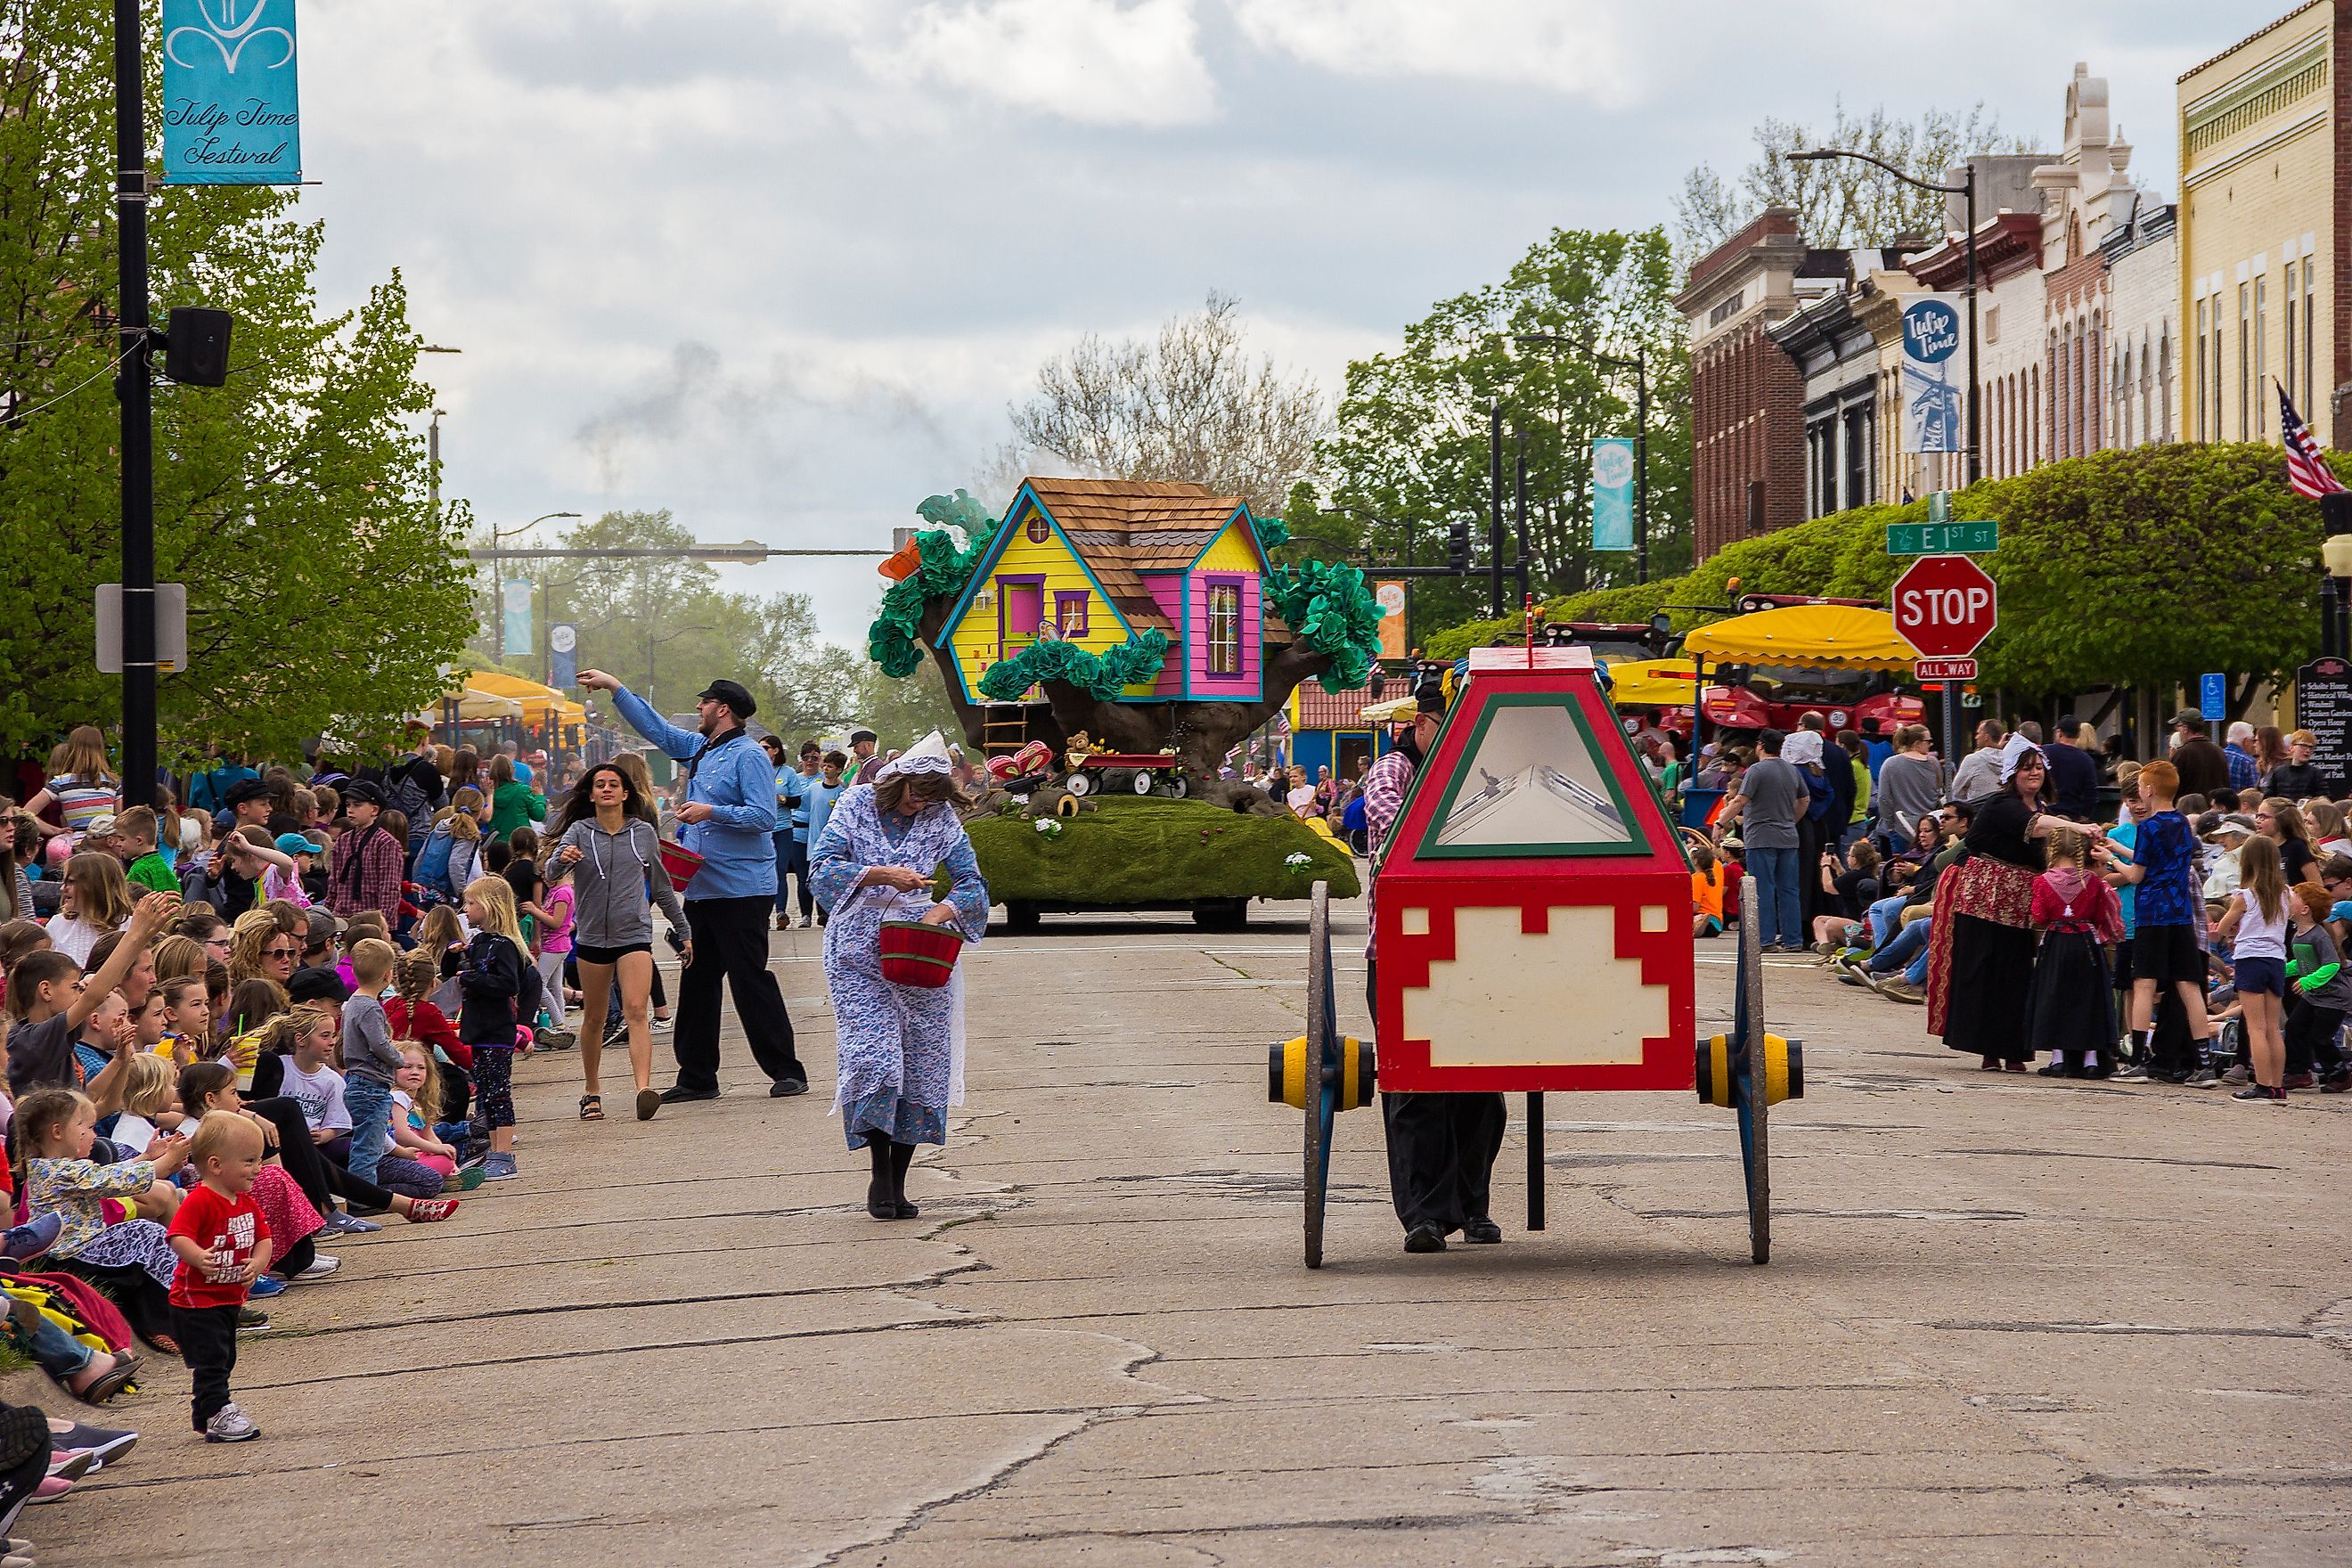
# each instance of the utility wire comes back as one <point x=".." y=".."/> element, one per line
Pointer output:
<point x="14" y="415"/>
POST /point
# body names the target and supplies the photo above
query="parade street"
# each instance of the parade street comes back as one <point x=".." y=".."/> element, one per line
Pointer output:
<point x="2007" y="1319"/>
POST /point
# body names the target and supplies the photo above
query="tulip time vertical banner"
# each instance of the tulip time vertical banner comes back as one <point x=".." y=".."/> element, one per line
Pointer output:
<point x="230" y="113"/>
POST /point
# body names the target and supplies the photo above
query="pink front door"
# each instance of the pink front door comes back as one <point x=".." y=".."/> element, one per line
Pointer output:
<point x="1022" y="604"/>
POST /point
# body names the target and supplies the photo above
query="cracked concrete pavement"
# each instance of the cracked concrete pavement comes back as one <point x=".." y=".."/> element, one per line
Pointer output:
<point x="2007" y="1321"/>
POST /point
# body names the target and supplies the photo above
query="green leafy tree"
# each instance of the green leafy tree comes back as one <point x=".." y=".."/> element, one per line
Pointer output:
<point x="324" y="593"/>
<point x="665" y="625"/>
<point x="1411" y="454"/>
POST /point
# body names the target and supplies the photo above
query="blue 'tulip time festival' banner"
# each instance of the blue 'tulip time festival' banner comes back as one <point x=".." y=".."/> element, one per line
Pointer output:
<point x="230" y="112"/>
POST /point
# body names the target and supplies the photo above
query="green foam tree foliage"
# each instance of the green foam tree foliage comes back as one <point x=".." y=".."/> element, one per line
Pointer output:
<point x="1333" y="614"/>
<point x="1101" y="676"/>
<point x="947" y="567"/>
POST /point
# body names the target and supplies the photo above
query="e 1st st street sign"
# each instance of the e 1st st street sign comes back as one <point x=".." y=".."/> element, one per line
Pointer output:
<point x="1977" y="536"/>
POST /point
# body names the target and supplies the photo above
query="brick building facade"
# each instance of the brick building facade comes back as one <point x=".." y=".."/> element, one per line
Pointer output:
<point x="1748" y="397"/>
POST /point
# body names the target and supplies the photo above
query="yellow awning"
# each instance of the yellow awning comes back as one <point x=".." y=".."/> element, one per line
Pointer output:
<point x="1828" y="636"/>
<point x="474" y="705"/>
<point x="538" y="702"/>
<point x="1396" y="709"/>
<point x="1653" y="683"/>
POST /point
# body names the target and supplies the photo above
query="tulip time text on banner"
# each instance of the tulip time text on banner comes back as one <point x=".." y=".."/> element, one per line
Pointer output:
<point x="1934" y="373"/>
<point x="230" y="114"/>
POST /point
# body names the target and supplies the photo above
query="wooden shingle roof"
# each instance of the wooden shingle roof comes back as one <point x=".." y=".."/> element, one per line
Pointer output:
<point x="1126" y="527"/>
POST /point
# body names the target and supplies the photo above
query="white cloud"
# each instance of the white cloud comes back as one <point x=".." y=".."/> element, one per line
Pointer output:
<point x="1569" y="45"/>
<point x="1098" y="62"/>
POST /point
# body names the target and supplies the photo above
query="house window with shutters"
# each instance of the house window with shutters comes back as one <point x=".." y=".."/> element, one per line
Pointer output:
<point x="1226" y="629"/>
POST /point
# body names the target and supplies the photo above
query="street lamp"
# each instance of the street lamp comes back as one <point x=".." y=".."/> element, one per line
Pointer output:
<point x="1967" y="188"/>
<point x="433" y="437"/>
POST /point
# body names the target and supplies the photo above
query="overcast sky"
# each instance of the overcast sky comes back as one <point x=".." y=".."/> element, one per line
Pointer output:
<point x="779" y="265"/>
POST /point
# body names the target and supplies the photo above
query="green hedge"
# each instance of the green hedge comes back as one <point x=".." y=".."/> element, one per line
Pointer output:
<point x="2153" y="564"/>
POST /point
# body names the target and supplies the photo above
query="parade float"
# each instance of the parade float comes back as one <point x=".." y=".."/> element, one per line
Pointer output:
<point x="1107" y="644"/>
<point x="1533" y="926"/>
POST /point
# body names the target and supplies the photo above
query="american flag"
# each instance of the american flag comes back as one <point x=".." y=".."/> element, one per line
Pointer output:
<point x="2307" y="473"/>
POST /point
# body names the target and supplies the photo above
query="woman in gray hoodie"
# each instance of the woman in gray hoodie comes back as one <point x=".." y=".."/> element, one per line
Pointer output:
<point x="605" y="834"/>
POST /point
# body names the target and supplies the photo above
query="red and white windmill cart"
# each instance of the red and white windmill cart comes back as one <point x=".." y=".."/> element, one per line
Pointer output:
<point x="1533" y="916"/>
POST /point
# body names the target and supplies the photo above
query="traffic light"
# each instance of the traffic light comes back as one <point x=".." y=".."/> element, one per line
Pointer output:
<point x="1457" y="547"/>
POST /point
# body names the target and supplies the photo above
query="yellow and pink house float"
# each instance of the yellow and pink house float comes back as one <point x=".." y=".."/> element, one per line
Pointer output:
<point x="1095" y="563"/>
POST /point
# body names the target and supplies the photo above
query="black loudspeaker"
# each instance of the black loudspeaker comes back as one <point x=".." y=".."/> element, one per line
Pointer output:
<point x="196" y="347"/>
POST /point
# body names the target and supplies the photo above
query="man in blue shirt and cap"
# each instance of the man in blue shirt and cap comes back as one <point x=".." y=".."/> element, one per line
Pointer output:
<point x="728" y="818"/>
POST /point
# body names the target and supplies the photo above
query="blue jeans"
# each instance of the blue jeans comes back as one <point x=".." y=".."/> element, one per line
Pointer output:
<point x="1778" y="917"/>
<point x="369" y="1103"/>
<point x="1899" y="951"/>
<point x="1880" y="918"/>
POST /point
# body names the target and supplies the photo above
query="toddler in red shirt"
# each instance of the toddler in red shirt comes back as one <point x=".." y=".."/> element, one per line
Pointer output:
<point x="223" y="1246"/>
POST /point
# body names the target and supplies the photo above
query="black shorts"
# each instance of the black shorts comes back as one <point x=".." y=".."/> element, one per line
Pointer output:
<point x="587" y="954"/>
<point x="2166" y="954"/>
<point x="2257" y="975"/>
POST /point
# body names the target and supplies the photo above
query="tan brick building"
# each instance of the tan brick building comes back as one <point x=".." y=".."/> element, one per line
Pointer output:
<point x="2265" y="228"/>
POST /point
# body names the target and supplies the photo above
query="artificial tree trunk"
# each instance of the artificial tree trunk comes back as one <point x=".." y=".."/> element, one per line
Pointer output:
<point x="1201" y="732"/>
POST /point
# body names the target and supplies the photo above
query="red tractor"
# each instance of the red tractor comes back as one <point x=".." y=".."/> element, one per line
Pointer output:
<point x="1778" y="696"/>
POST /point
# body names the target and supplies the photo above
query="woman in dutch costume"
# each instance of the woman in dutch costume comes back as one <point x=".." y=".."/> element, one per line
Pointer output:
<point x="900" y="1047"/>
<point x="1981" y="948"/>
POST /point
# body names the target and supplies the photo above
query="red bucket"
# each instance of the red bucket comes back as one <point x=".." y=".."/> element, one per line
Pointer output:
<point x="917" y="954"/>
<point x="680" y="863"/>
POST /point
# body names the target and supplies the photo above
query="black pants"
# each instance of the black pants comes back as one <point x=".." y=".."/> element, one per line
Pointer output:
<point x="2311" y="1037"/>
<point x="1442" y="1148"/>
<point x="208" y="1337"/>
<point x="295" y="1150"/>
<point x="731" y="941"/>
<point x="299" y="1257"/>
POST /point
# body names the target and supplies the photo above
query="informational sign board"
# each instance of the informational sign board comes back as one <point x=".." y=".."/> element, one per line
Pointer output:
<point x="2213" y="696"/>
<point x="1935" y="374"/>
<point x="1945" y="669"/>
<point x="2323" y="705"/>
<point x="231" y="112"/>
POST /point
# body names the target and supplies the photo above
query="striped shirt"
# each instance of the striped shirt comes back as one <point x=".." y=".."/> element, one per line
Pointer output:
<point x="1384" y="789"/>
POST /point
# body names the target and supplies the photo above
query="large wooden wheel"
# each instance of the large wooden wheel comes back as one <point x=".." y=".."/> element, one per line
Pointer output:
<point x="1748" y="1075"/>
<point x="1322" y="1068"/>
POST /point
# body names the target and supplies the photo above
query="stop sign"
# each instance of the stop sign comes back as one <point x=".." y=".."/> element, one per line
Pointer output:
<point x="1944" y="606"/>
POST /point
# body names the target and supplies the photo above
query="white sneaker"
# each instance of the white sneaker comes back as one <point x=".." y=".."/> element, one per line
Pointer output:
<point x="661" y="1025"/>
<point x="230" y="1425"/>
<point x="320" y="1267"/>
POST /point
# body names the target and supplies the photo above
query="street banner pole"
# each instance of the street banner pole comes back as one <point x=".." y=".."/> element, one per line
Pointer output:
<point x="133" y="387"/>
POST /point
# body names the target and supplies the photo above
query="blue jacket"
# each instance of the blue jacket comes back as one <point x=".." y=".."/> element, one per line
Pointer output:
<point x="736" y="780"/>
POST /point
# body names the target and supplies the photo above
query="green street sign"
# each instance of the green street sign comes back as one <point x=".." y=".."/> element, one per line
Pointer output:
<point x="1975" y="537"/>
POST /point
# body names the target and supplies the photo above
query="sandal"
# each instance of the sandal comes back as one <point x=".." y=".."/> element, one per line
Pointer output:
<point x="591" y="1108"/>
<point x="113" y="1382"/>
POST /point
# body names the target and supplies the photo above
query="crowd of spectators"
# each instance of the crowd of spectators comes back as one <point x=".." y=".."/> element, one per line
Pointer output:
<point x="276" y="1009"/>
<point x="2182" y="920"/>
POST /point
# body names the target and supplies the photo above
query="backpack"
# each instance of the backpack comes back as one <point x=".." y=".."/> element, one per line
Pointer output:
<point x="432" y="871"/>
<point x="409" y="799"/>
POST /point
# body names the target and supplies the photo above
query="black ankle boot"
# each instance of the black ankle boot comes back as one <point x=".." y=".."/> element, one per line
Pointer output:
<point x="901" y="1156"/>
<point x="882" y="1191"/>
